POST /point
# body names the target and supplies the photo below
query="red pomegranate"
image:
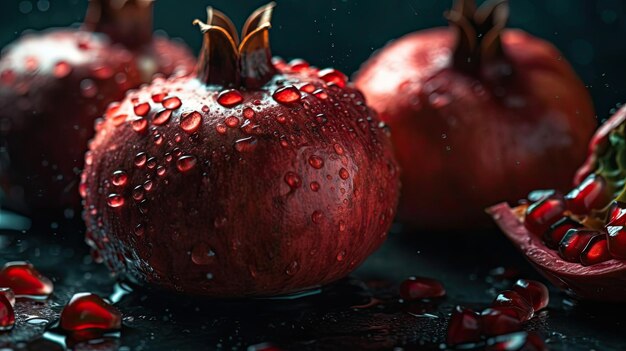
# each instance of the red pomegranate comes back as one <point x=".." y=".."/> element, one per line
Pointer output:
<point x="250" y="178"/>
<point x="578" y="240"/>
<point x="478" y="113"/>
<point x="54" y="84"/>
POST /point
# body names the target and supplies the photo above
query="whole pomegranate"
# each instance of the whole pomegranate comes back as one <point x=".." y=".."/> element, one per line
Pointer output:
<point x="250" y="178"/>
<point x="578" y="239"/>
<point x="55" y="83"/>
<point x="478" y="113"/>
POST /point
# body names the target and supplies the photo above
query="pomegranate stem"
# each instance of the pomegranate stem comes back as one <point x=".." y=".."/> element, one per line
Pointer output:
<point x="128" y="22"/>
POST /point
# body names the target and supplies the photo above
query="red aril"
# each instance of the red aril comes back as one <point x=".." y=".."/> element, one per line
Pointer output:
<point x="541" y="215"/>
<point x="7" y="315"/>
<point x="591" y="194"/>
<point x="62" y="81"/>
<point x="573" y="243"/>
<point x="520" y="341"/>
<point x="87" y="311"/>
<point x="557" y="231"/>
<point x="25" y="280"/>
<point x="535" y="293"/>
<point x="463" y="327"/>
<point x="596" y="251"/>
<point x="498" y="321"/>
<point x="417" y="288"/>
<point x="474" y="116"/>
<point x="9" y="294"/>
<point x="514" y="302"/>
<point x="249" y="177"/>
<point x="616" y="239"/>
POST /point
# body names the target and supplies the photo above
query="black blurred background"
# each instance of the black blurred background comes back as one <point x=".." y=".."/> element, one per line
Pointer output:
<point x="344" y="33"/>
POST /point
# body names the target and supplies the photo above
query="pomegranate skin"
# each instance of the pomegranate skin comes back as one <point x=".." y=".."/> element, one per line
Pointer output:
<point x="256" y="199"/>
<point x="54" y="85"/>
<point x="466" y="141"/>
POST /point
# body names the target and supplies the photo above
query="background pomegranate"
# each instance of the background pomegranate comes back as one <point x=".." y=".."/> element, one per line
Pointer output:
<point x="251" y="178"/>
<point x="578" y="240"/>
<point x="54" y="84"/>
<point x="478" y="114"/>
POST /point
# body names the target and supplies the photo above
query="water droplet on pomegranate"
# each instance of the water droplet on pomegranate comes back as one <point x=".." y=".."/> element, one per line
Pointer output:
<point x="320" y="94"/>
<point x="343" y="173"/>
<point x="140" y="159"/>
<point x="89" y="311"/>
<point x="25" y="280"/>
<point x="115" y="200"/>
<point x="190" y="122"/>
<point x="139" y="125"/>
<point x="338" y="149"/>
<point x="248" y="113"/>
<point x="142" y="109"/>
<point x="418" y="288"/>
<point x="308" y="88"/>
<point x="297" y="65"/>
<point x="138" y="193"/>
<point x="88" y="88"/>
<point x="119" y="178"/>
<point x="186" y="163"/>
<point x="317" y="216"/>
<point x="292" y="268"/>
<point x="287" y="95"/>
<point x="315" y="186"/>
<point x="147" y="185"/>
<point x="333" y="76"/>
<point x="202" y="254"/>
<point x="293" y="180"/>
<point x="159" y="97"/>
<point x="341" y="255"/>
<point x="246" y="144"/>
<point x="316" y="161"/>
<point x="232" y="121"/>
<point x="139" y="229"/>
<point x="229" y="98"/>
<point x="220" y="128"/>
<point x="161" y="171"/>
<point x="171" y="103"/>
<point x="61" y="69"/>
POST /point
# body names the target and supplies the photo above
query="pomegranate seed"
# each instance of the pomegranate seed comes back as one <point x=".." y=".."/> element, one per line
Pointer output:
<point x="24" y="280"/>
<point x="7" y="315"/>
<point x="89" y="311"/>
<point x="588" y="195"/>
<point x="541" y="215"/>
<point x="596" y="251"/>
<point x="464" y="326"/>
<point x="516" y="342"/>
<point x="9" y="294"/>
<point x="417" y="288"/>
<point x="557" y="231"/>
<point x="230" y="98"/>
<point x="534" y="292"/>
<point x="616" y="239"/>
<point x="573" y="243"/>
<point x="498" y="321"/>
<point x="515" y="302"/>
<point x="333" y="76"/>
<point x="287" y="95"/>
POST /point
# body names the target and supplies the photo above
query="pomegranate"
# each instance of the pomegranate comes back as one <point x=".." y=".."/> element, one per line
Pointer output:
<point x="580" y="245"/>
<point x="478" y="113"/>
<point x="55" y="83"/>
<point x="250" y="178"/>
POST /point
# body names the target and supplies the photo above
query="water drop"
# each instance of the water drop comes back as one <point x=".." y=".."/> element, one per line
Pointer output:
<point x="320" y="94"/>
<point x="220" y="128"/>
<point x="229" y="98"/>
<point x="140" y="159"/>
<point x="317" y="216"/>
<point x="139" y="125"/>
<point x="190" y="122"/>
<point x="138" y="193"/>
<point x="61" y="69"/>
<point x="292" y="268"/>
<point x="341" y="255"/>
<point x="316" y="161"/>
<point x="202" y="254"/>
<point x="172" y="103"/>
<point x="232" y="121"/>
<point x="293" y="180"/>
<point x="333" y="76"/>
<point x="115" y="200"/>
<point x="119" y="178"/>
<point x="88" y="88"/>
<point x="338" y="149"/>
<point x="142" y="109"/>
<point x="308" y="88"/>
<point x="248" y="113"/>
<point x="315" y="186"/>
<point x="186" y="163"/>
<point x="287" y="95"/>
<point x="343" y="173"/>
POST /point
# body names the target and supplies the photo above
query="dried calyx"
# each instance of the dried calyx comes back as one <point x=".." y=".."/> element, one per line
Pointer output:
<point x="128" y="22"/>
<point x="479" y="32"/>
<point x="226" y="61"/>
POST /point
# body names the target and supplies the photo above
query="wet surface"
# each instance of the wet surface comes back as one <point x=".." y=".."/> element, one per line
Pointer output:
<point x="363" y="311"/>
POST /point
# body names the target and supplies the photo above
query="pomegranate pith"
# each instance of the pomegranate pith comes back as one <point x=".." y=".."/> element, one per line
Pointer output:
<point x="475" y="117"/>
<point x="251" y="175"/>
<point x="54" y="86"/>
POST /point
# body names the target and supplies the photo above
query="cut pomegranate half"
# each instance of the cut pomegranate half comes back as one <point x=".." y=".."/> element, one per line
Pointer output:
<point x="605" y="281"/>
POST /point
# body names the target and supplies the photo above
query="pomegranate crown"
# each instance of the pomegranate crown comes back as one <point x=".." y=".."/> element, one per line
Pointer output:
<point x="479" y="30"/>
<point x="226" y="61"/>
<point x="128" y="22"/>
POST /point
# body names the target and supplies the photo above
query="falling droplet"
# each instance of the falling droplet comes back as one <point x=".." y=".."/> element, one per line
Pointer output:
<point x="61" y="69"/>
<point x="142" y="109"/>
<point x="316" y="161"/>
<point x="230" y="98"/>
<point x="119" y="178"/>
<point x="186" y="163"/>
<point x="171" y="103"/>
<point x="190" y="122"/>
<point x="287" y="95"/>
<point x="246" y="144"/>
<point x="293" y="180"/>
<point x="343" y="173"/>
<point x="115" y="200"/>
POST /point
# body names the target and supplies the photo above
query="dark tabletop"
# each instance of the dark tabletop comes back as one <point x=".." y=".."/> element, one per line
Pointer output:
<point x="361" y="312"/>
